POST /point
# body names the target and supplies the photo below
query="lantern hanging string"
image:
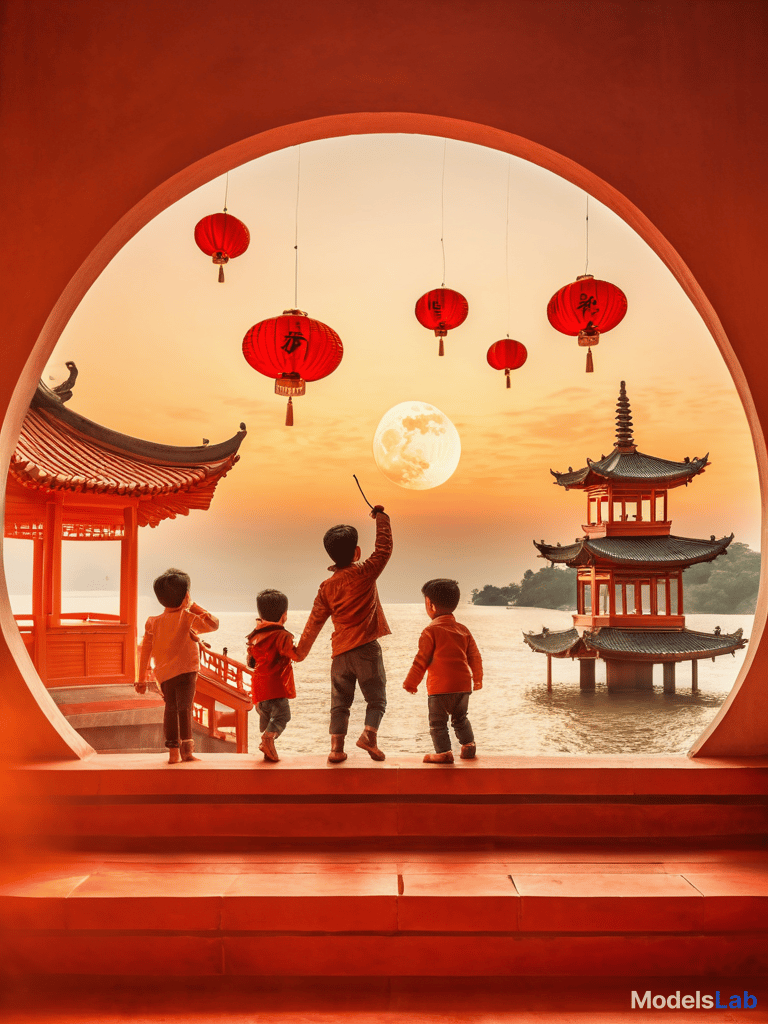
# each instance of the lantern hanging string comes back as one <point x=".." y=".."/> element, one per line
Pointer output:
<point x="509" y="317"/>
<point x="586" y="258"/>
<point x="361" y="491"/>
<point x="442" y="209"/>
<point x="226" y="191"/>
<point x="296" y="235"/>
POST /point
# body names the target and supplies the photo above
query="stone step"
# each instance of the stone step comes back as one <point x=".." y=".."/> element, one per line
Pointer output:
<point x="227" y="797"/>
<point x="547" y="911"/>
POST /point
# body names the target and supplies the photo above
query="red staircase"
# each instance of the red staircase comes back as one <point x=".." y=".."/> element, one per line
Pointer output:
<point x="233" y="866"/>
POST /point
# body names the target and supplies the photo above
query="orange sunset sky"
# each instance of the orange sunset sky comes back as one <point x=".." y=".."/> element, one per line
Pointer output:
<point x="158" y="344"/>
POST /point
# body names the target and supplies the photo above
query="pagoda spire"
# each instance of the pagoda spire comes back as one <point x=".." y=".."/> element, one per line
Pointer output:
<point x="624" y="440"/>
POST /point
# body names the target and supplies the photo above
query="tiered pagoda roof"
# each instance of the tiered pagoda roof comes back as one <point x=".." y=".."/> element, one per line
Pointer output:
<point x="656" y="552"/>
<point x="626" y="463"/>
<point x="648" y="644"/>
<point x="662" y="644"/>
<point x="557" y="643"/>
<point x="61" y="451"/>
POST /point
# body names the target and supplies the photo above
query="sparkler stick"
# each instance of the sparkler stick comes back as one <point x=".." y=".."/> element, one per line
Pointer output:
<point x="361" y="491"/>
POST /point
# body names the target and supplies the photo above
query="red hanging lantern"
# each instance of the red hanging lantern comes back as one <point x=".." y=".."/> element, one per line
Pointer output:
<point x="293" y="349"/>
<point x="588" y="308"/>
<point x="222" y="237"/>
<point x="507" y="355"/>
<point x="440" y="311"/>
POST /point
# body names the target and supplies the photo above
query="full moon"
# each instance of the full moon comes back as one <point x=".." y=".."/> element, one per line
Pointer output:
<point x="416" y="446"/>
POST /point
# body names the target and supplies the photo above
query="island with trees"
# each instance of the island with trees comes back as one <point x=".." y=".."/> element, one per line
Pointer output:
<point x="726" y="587"/>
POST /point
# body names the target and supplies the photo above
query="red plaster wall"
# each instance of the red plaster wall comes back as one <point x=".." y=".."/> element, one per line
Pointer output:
<point x="111" y="110"/>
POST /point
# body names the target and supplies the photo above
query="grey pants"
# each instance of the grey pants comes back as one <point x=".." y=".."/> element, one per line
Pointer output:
<point x="441" y="706"/>
<point x="274" y="714"/>
<point x="365" y="666"/>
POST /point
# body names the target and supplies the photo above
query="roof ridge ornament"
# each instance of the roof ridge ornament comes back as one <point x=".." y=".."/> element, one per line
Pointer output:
<point x="63" y="391"/>
<point x="624" y="439"/>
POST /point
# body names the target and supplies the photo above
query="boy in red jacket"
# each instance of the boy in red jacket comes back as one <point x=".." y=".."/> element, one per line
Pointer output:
<point x="270" y="653"/>
<point x="448" y="650"/>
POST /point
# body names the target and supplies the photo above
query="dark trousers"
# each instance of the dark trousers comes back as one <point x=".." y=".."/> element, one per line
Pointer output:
<point x="274" y="714"/>
<point x="363" y="665"/>
<point x="441" y="706"/>
<point x="179" y="695"/>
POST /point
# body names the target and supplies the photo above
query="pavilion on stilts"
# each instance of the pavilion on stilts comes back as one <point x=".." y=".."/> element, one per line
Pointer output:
<point x="73" y="479"/>
<point x="629" y="604"/>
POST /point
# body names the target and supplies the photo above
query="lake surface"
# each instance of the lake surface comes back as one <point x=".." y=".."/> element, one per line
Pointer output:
<point x="513" y="713"/>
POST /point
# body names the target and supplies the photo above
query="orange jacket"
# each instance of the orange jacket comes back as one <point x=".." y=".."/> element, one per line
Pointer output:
<point x="448" y="650"/>
<point x="350" y="599"/>
<point x="170" y="639"/>
<point x="270" y="653"/>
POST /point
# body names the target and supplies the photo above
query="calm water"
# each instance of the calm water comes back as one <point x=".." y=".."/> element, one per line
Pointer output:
<point x="513" y="713"/>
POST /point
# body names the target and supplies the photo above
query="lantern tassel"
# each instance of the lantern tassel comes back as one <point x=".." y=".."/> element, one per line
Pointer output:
<point x="590" y="367"/>
<point x="221" y="273"/>
<point x="441" y="351"/>
<point x="509" y="385"/>
<point x="289" y="413"/>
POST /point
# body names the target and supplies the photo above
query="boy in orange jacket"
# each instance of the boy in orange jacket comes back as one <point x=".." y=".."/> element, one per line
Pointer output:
<point x="351" y="600"/>
<point x="270" y="653"/>
<point x="171" y="641"/>
<point x="449" y="653"/>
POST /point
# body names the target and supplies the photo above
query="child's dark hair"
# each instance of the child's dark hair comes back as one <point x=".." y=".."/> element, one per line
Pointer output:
<point x="340" y="543"/>
<point x="444" y="594"/>
<point x="271" y="605"/>
<point x="172" y="587"/>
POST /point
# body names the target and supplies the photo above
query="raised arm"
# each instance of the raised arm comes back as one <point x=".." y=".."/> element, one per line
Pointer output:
<point x="317" y="618"/>
<point x="374" y="565"/>
<point x="421" y="662"/>
<point x="203" y="621"/>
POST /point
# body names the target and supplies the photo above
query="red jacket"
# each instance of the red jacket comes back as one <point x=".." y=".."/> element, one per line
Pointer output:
<point x="350" y="599"/>
<point x="270" y="653"/>
<point x="450" y="653"/>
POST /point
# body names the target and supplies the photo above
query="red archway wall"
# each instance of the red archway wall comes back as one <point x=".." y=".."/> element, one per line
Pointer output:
<point x="109" y="112"/>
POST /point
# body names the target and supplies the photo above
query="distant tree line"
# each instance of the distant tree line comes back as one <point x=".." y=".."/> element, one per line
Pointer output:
<point x="725" y="586"/>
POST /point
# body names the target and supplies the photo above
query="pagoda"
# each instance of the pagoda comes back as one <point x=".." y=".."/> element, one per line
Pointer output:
<point x="629" y="583"/>
<point x="71" y="479"/>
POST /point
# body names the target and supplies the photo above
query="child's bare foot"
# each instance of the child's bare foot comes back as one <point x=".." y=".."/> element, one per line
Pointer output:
<point x="174" y="756"/>
<point x="267" y="746"/>
<point x="445" y="758"/>
<point x="187" y="748"/>
<point x="468" y="751"/>
<point x="337" y="754"/>
<point x="368" y="742"/>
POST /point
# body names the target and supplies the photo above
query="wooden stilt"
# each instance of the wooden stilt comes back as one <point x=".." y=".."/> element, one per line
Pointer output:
<point x="587" y="673"/>
<point x="549" y="671"/>
<point x="694" y="676"/>
<point x="669" y="676"/>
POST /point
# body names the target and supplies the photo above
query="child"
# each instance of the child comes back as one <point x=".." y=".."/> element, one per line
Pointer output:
<point x="351" y="600"/>
<point x="270" y="653"/>
<point x="171" y="641"/>
<point x="450" y="653"/>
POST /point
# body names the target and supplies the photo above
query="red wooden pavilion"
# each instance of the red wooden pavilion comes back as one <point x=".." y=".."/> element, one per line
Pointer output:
<point x="73" y="479"/>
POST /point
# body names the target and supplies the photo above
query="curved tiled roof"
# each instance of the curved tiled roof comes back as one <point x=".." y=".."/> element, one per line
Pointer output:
<point x="558" y="643"/>
<point x="681" y="644"/>
<point x="664" y="552"/>
<point x="632" y="467"/>
<point x="61" y="450"/>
